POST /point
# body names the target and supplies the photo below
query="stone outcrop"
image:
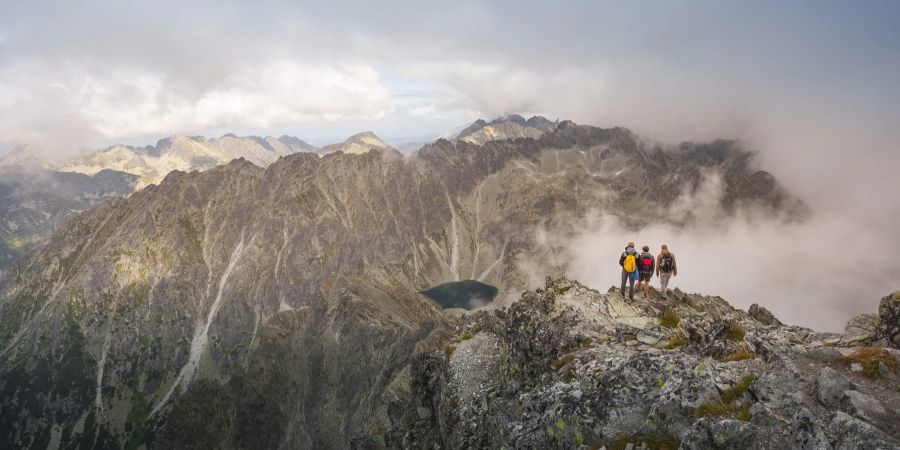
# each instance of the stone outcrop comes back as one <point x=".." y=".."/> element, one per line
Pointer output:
<point x="576" y="368"/>
<point x="889" y="319"/>
<point x="762" y="315"/>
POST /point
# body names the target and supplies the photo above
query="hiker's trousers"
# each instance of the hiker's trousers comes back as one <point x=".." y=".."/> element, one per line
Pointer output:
<point x="626" y="278"/>
<point x="664" y="282"/>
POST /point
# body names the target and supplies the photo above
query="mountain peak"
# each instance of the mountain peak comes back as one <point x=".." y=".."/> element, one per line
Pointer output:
<point x="359" y="143"/>
<point x="512" y="126"/>
<point x="366" y="138"/>
<point x="27" y="156"/>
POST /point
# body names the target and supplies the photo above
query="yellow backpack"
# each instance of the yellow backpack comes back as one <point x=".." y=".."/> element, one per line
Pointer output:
<point x="629" y="263"/>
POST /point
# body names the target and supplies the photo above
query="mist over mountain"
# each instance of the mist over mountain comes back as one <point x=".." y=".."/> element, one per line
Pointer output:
<point x="35" y="201"/>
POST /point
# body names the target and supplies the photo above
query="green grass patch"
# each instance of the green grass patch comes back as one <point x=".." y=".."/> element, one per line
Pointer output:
<point x="466" y="336"/>
<point x="675" y="341"/>
<point x="729" y="407"/>
<point x="739" y="389"/>
<point x="449" y="349"/>
<point x="663" y="441"/>
<point x="735" y="332"/>
<point x="739" y="355"/>
<point x="712" y="409"/>
<point x="565" y="359"/>
<point x="669" y="319"/>
<point x="870" y="358"/>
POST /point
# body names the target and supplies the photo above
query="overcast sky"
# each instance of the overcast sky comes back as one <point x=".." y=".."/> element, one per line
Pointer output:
<point x="85" y="73"/>
<point x="813" y="86"/>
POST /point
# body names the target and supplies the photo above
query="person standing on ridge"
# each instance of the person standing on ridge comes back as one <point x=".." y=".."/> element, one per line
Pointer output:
<point x="628" y="261"/>
<point x="646" y="265"/>
<point x="665" y="269"/>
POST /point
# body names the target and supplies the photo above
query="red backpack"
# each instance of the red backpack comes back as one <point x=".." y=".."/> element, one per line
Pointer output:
<point x="647" y="262"/>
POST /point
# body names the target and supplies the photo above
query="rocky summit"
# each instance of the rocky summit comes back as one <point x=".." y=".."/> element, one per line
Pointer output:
<point x="281" y="307"/>
<point x="567" y="366"/>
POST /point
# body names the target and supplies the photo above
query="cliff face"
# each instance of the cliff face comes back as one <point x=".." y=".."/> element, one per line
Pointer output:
<point x="279" y="307"/>
<point x="569" y="367"/>
<point x="34" y="201"/>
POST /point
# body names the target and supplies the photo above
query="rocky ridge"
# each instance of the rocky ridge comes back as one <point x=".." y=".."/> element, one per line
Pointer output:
<point x="509" y="127"/>
<point x="567" y="366"/>
<point x="184" y="153"/>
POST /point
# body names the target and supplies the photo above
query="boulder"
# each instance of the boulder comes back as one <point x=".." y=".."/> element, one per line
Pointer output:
<point x="862" y="325"/>
<point x="762" y="315"/>
<point x="854" y="434"/>
<point x="728" y="434"/>
<point x="864" y="406"/>
<point x="698" y="436"/>
<point x="731" y="434"/>
<point x="889" y="319"/>
<point x="831" y="387"/>
<point x="806" y="434"/>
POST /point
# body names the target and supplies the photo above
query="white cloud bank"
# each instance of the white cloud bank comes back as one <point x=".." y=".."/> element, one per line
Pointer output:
<point x="126" y="104"/>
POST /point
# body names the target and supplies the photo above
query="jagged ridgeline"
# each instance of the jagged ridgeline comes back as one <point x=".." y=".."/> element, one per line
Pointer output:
<point x="243" y="307"/>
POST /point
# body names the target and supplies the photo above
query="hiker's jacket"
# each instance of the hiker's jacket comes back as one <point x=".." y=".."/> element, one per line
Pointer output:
<point x="628" y="250"/>
<point x="640" y="263"/>
<point x="659" y="259"/>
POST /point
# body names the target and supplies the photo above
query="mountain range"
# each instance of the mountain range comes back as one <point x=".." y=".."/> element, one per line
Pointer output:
<point x="280" y="306"/>
<point x="31" y="176"/>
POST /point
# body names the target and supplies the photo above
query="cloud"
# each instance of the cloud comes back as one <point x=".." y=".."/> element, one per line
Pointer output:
<point x="816" y="273"/>
<point x="124" y="104"/>
<point x="495" y="89"/>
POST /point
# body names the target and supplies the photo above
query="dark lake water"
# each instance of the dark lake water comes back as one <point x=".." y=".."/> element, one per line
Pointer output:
<point x="467" y="294"/>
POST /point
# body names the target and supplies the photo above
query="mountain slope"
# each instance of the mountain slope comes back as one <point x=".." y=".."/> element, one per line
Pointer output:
<point x="184" y="153"/>
<point x="34" y="201"/>
<point x="279" y="307"/>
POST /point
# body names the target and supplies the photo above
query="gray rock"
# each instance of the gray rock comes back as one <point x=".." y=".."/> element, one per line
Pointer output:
<point x="806" y="434"/>
<point x="889" y="319"/>
<point x="730" y="434"/>
<point x="761" y="416"/>
<point x="863" y="324"/>
<point x="698" y="436"/>
<point x="831" y="387"/>
<point x="854" y="434"/>
<point x="762" y="315"/>
<point x="863" y="405"/>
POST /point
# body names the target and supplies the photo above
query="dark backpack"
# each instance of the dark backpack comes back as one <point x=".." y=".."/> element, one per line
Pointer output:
<point x="666" y="264"/>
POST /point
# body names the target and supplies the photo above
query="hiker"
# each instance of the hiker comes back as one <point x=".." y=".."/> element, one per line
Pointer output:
<point x="628" y="261"/>
<point x="665" y="268"/>
<point x="646" y="265"/>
